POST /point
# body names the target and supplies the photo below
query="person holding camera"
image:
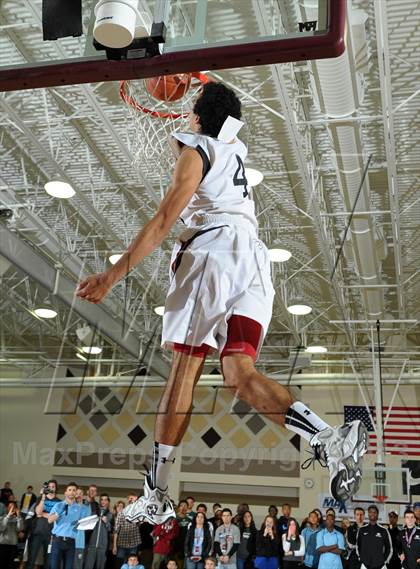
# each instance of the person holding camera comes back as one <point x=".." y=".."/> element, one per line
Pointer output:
<point x="10" y="525"/>
<point x="65" y="516"/>
<point x="38" y="526"/>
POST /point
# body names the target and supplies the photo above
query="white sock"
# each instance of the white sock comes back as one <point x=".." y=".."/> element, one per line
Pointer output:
<point x="303" y="421"/>
<point x="163" y="458"/>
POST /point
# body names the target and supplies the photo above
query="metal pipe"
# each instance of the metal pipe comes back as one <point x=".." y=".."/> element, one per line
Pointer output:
<point x="207" y="380"/>
<point x="393" y="320"/>
<point x="378" y="398"/>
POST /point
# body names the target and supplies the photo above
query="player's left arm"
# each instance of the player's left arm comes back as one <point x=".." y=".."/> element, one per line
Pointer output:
<point x="185" y="181"/>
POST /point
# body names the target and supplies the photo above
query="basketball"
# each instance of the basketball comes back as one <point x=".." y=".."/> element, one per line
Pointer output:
<point x="169" y="87"/>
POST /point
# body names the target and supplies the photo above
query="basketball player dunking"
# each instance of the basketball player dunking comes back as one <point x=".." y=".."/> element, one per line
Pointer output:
<point x="220" y="298"/>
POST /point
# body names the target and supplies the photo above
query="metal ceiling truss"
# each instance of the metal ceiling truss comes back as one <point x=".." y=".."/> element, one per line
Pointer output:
<point x="82" y="134"/>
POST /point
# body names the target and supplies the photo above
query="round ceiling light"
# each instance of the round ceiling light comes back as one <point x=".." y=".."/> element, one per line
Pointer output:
<point x="279" y="255"/>
<point x="59" y="189"/>
<point x="299" y="309"/>
<point x="253" y="177"/>
<point x="93" y="350"/>
<point x="316" y="349"/>
<point x="160" y="310"/>
<point x="115" y="258"/>
<point x="44" y="312"/>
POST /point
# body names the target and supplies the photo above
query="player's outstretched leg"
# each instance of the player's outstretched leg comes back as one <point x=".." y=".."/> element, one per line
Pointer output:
<point x="344" y="446"/>
<point x="172" y="420"/>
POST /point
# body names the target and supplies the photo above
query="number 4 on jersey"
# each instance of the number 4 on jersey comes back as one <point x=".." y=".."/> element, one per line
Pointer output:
<point x="241" y="181"/>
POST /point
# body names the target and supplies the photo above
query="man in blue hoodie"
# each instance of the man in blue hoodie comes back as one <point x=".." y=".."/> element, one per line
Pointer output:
<point x="309" y="534"/>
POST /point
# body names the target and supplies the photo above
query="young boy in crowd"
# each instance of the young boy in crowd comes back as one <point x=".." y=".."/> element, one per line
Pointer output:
<point x="210" y="563"/>
<point x="132" y="563"/>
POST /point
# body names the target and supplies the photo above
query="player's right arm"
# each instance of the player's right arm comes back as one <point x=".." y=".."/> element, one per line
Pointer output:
<point x="185" y="181"/>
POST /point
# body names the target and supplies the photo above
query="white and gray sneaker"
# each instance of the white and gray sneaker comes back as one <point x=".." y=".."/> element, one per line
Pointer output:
<point x="154" y="506"/>
<point x="344" y="447"/>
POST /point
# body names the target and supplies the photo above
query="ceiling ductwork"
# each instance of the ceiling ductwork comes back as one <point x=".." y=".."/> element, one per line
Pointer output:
<point x="338" y="84"/>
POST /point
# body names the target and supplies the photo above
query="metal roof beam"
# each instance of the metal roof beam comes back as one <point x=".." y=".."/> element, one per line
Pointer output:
<point x="89" y="208"/>
<point x="381" y="24"/>
<point x="327" y="241"/>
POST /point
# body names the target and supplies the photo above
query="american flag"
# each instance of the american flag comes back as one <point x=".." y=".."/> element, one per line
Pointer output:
<point x="402" y="431"/>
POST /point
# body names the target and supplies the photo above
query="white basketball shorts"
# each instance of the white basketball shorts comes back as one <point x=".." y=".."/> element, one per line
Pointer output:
<point x="216" y="271"/>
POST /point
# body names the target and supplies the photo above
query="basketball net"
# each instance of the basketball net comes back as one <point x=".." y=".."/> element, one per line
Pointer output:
<point x="153" y="121"/>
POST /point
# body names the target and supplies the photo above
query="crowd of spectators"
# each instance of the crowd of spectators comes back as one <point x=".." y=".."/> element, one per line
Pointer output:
<point x="42" y="531"/>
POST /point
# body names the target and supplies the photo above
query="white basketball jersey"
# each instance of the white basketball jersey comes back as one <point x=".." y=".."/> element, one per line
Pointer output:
<point x="224" y="188"/>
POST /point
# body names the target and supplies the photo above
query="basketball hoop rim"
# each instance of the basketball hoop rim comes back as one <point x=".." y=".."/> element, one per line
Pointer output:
<point x="200" y="76"/>
<point x="380" y="499"/>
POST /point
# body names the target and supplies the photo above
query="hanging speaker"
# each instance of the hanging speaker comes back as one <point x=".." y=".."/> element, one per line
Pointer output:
<point x="61" y="18"/>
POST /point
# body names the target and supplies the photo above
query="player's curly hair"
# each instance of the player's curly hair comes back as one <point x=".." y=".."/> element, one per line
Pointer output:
<point x="213" y="107"/>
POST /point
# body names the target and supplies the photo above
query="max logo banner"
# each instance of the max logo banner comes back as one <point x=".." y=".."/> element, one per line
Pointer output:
<point x="330" y="502"/>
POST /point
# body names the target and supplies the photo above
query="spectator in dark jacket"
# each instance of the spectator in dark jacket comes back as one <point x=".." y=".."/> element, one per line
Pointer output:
<point x="5" y="493"/>
<point x="247" y="547"/>
<point x="351" y="536"/>
<point x="203" y="509"/>
<point x="99" y="541"/>
<point x="394" y="532"/>
<point x="409" y="542"/>
<point x="146" y="546"/>
<point x="90" y="501"/>
<point x="240" y="510"/>
<point x="216" y="521"/>
<point x="283" y="520"/>
<point x="374" y="546"/>
<point x="198" y="542"/>
<point x="179" y="542"/>
<point x="267" y="546"/>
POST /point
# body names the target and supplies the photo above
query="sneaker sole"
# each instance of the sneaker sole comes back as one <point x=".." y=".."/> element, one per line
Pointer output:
<point x="132" y="517"/>
<point x="337" y="488"/>
<point x="157" y="520"/>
